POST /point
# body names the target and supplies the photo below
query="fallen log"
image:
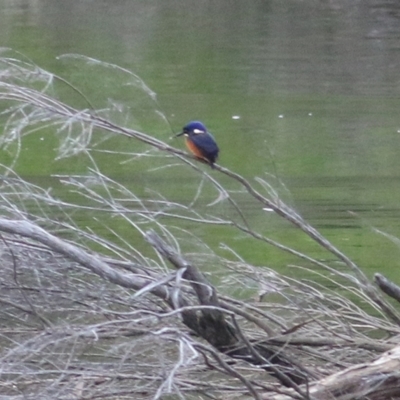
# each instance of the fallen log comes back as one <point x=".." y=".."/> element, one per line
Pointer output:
<point x="378" y="380"/>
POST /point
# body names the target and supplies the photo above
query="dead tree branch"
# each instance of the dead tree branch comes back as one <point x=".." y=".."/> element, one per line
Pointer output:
<point x="388" y="287"/>
<point x="213" y="326"/>
<point x="379" y="380"/>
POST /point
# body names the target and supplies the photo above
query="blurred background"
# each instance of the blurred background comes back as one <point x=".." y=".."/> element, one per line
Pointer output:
<point x="304" y="94"/>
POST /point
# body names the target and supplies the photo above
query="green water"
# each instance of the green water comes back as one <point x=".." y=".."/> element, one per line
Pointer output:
<point x="315" y="86"/>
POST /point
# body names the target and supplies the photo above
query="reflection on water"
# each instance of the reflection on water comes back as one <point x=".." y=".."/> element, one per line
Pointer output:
<point x="315" y="85"/>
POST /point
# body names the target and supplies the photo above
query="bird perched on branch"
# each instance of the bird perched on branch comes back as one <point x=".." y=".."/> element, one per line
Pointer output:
<point x="200" y="142"/>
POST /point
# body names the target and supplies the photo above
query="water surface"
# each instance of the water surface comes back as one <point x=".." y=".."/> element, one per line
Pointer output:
<point x="315" y="84"/>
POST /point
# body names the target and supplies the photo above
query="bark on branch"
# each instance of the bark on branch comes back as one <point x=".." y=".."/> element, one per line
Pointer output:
<point x="90" y="261"/>
<point x="212" y="325"/>
<point x="379" y="380"/>
<point x="388" y="287"/>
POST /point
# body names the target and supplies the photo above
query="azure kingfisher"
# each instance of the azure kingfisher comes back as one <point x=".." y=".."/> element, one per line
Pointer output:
<point x="200" y="142"/>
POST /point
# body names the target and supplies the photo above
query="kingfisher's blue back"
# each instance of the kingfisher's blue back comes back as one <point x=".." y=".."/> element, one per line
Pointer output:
<point x="200" y="142"/>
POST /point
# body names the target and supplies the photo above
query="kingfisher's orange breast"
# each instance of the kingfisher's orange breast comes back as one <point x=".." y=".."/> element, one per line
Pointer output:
<point x="193" y="148"/>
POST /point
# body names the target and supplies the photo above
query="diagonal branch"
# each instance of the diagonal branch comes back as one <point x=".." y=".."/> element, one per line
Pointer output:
<point x="227" y="338"/>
